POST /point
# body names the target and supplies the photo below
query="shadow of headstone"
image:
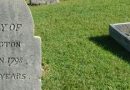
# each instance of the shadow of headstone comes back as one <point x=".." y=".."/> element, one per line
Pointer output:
<point x="109" y="44"/>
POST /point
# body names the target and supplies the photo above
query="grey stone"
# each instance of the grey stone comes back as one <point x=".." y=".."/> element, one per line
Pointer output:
<point x="20" y="51"/>
<point x="121" y="33"/>
<point x="38" y="2"/>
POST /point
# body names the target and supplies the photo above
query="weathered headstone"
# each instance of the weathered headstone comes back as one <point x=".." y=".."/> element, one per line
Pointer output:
<point x="121" y="33"/>
<point x="38" y="2"/>
<point x="51" y="1"/>
<point x="20" y="52"/>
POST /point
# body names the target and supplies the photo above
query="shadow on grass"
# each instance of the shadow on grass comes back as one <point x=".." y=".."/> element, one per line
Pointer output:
<point x="109" y="44"/>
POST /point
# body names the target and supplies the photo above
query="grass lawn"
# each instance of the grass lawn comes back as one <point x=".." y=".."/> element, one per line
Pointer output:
<point x="78" y="53"/>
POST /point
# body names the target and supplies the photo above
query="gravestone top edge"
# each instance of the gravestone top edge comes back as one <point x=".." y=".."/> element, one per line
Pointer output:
<point x="119" y="24"/>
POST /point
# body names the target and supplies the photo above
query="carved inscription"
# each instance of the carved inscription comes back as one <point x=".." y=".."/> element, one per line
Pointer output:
<point x="11" y="60"/>
<point x="10" y="27"/>
<point x="10" y="44"/>
<point x="14" y="76"/>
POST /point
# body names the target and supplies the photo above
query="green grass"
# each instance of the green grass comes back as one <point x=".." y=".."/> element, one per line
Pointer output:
<point x="78" y="53"/>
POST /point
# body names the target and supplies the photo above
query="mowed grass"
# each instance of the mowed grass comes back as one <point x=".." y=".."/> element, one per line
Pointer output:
<point x="77" y="51"/>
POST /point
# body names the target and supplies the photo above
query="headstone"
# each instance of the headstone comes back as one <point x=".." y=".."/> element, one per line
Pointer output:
<point x="121" y="33"/>
<point x="20" y="52"/>
<point x="51" y="1"/>
<point x="38" y="2"/>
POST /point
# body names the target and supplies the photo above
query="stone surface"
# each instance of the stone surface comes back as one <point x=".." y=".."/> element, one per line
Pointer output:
<point x="20" y="52"/>
<point x="37" y="2"/>
<point x="121" y="33"/>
